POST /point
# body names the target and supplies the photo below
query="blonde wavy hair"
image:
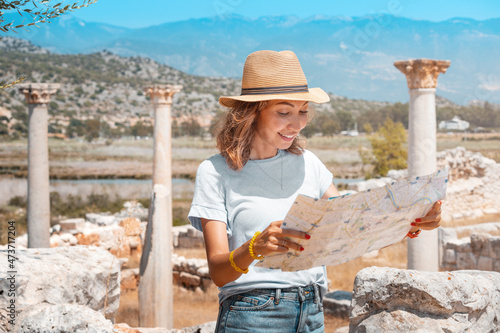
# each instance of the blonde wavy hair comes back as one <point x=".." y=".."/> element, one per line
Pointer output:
<point x="235" y="132"/>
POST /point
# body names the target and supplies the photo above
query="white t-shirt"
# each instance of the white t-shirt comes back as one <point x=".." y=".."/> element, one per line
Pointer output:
<point x="250" y="199"/>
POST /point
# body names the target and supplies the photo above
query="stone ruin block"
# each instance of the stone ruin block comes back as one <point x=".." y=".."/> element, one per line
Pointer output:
<point x="77" y="275"/>
<point x="496" y="266"/>
<point x="176" y="277"/>
<point x="480" y="244"/>
<point x="450" y="257"/>
<point x="189" y="243"/>
<point x="206" y="283"/>
<point x="129" y="279"/>
<point x="190" y="280"/>
<point x="485" y="264"/>
<point x="62" y="318"/>
<point x="337" y="303"/>
<point x="466" y="260"/>
<point x="72" y="225"/>
<point x="495" y="247"/>
<point x="394" y="300"/>
<point x="131" y="225"/>
<point x="460" y="245"/>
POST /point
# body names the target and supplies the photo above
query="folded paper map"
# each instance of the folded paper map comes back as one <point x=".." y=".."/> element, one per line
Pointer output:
<point x="349" y="226"/>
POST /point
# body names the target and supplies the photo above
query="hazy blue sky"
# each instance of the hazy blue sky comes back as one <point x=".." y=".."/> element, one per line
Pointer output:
<point x="137" y="13"/>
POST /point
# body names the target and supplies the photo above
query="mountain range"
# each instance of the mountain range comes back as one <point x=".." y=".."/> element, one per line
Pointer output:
<point x="351" y="57"/>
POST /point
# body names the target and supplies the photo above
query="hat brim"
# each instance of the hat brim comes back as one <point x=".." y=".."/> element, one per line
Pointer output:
<point x="315" y="95"/>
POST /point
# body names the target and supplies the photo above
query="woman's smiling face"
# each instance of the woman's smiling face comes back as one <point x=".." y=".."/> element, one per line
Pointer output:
<point x="278" y="124"/>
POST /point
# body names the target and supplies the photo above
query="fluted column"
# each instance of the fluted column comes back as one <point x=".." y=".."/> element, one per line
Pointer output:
<point x="421" y="76"/>
<point x="155" y="289"/>
<point x="38" y="96"/>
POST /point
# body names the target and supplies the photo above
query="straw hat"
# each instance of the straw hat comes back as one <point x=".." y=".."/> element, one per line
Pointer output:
<point x="271" y="75"/>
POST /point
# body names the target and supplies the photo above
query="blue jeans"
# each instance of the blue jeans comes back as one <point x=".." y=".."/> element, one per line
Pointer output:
<point x="273" y="310"/>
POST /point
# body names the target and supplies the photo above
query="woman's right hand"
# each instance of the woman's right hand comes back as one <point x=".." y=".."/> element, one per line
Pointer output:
<point x="276" y="239"/>
<point x="272" y="239"/>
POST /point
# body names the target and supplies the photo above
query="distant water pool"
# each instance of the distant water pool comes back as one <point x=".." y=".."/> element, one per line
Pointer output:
<point x="337" y="181"/>
<point x="121" y="188"/>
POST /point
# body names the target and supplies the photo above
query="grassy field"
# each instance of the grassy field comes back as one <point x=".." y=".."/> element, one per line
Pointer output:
<point x="72" y="159"/>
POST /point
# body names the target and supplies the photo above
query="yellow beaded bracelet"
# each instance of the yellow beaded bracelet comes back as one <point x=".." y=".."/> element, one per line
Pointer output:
<point x="250" y="247"/>
<point x="236" y="268"/>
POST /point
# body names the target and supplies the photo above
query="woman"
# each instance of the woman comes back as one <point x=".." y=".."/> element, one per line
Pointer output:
<point x="249" y="187"/>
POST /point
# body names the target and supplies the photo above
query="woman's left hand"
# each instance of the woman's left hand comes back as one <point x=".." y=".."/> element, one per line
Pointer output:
<point x="430" y="221"/>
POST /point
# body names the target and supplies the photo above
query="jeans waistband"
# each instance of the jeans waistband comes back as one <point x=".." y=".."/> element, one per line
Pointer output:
<point x="295" y="293"/>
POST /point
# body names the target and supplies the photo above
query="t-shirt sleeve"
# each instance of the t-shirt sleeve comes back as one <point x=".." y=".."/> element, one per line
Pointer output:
<point x="325" y="177"/>
<point x="209" y="200"/>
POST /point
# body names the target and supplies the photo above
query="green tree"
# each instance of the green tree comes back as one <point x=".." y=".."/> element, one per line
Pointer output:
<point x="35" y="11"/>
<point x="327" y="123"/>
<point x="388" y="148"/>
<point x="396" y="112"/>
<point x="345" y="120"/>
<point x="176" y="129"/>
<point x="21" y="128"/>
<point x="92" y="127"/>
<point x="310" y="129"/>
<point x="191" y="128"/>
<point x="4" y="130"/>
<point x="75" y="128"/>
<point x="141" y="130"/>
<point x="329" y="127"/>
<point x="21" y="115"/>
<point x="373" y="117"/>
<point x="105" y="129"/>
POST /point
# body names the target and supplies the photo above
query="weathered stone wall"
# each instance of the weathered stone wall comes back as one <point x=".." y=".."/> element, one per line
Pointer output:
<point x="474" y="185"/>
<point x="187" y="237"/>
<point x="188" y="273"/>
<point x="470" y="247"/>
<point x="473" y="188"/>
<point x="122" y="234"/>
<point x="191" y="273"/>
<point x="337" y="304"/>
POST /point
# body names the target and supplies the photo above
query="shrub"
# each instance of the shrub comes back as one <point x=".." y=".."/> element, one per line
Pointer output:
<point x="388" y="150"/>
<point x="18" y="201"/>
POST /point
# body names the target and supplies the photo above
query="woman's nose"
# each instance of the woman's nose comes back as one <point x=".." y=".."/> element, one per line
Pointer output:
<point x="295" y="123"/>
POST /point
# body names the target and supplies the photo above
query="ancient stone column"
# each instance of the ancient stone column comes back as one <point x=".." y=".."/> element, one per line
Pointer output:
<point x="155" y="289"/>
<point x="161" y="97"/>
<point x="421" y="76"/>
<point x="38" y="96"/>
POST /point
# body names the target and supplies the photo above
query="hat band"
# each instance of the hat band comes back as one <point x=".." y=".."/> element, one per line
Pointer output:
<point x="274" y="90"/>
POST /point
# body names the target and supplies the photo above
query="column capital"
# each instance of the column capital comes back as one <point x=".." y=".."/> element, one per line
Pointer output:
<point x="422" y="73"/>
<point x="162" y="93"/>
<point x="38" y="93"/>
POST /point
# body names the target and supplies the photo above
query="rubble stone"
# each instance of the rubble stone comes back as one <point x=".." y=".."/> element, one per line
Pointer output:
<point x="395" y="300"/>
<point x="337" y="303"/>
<point x="61" y="318"/>
<point x="70" y="275"/>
